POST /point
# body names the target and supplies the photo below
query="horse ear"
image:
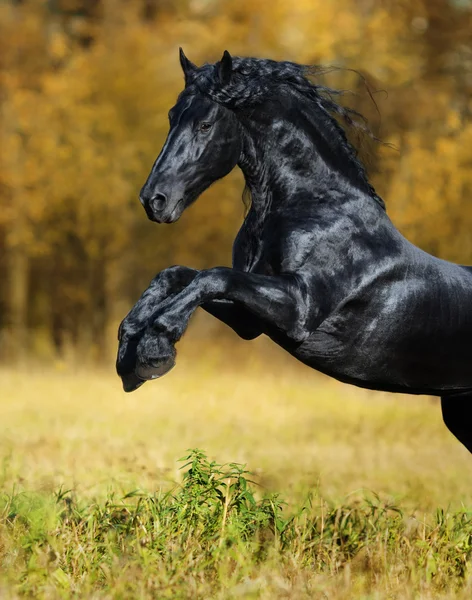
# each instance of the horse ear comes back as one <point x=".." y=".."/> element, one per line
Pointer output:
<point x="225" y="68"/>
<point x="187" y="65"/>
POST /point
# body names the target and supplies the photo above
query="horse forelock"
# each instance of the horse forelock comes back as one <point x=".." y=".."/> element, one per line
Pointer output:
<point x="252" y="81"/>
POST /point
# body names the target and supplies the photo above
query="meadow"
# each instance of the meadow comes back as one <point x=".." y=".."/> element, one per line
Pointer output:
<point x="293" y="485"/>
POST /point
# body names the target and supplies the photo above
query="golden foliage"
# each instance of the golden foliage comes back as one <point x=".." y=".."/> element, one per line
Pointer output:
<point x="85" y="91"/>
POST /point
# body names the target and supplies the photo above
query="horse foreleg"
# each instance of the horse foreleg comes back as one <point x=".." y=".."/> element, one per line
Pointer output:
<point x="277" y="302"/>
<point x="165" y="284"/>
<point x="241" y="321"/>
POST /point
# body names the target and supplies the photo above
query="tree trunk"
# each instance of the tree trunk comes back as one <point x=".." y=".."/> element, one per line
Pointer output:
<point x="18" y="267"/>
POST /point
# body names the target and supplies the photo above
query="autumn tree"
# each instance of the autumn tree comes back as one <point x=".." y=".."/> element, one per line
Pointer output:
<point x="85" y="89"/>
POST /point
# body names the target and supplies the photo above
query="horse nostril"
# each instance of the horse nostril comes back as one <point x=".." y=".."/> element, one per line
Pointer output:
<point x="158" y="201"/>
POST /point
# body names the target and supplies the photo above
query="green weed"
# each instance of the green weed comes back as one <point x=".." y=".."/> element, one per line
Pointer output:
<point x="212" y="534"/>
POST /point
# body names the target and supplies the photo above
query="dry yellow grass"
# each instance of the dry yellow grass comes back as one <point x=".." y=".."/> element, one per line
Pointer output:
<point x="298" y="431"/>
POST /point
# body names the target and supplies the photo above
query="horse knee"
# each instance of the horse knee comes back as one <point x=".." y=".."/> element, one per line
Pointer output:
<point x="174" y="277"/>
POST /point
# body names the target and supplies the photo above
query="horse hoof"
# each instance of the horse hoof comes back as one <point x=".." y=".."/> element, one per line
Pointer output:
<point x="131" y="382"/>
<point x="155" y="357"/>
<point x="155" y="369"/>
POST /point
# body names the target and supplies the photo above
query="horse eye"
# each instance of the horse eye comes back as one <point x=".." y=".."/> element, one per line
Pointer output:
<point x="204" y="126"/>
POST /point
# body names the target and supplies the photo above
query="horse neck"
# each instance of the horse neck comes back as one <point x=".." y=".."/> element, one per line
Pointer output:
<point x="286" y="156"/>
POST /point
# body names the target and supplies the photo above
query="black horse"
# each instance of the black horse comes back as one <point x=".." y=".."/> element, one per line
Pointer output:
<point x="317" y="265"/>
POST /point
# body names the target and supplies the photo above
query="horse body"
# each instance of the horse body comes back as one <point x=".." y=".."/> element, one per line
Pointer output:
<point x="317" y="265"/>
<point x="397" y="320"/>
<point x="386" y="314"/>
<point x="417" y="340"/>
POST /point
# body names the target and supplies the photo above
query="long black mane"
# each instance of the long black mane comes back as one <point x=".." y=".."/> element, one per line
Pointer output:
<point x="254" y="81"/>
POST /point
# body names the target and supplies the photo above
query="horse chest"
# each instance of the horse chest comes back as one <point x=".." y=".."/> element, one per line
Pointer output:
<point x="258" y="250"/>
<point x="255" y="258"/>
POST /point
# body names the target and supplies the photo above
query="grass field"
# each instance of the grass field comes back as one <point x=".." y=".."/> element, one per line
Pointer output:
<point x="352" y="494"/>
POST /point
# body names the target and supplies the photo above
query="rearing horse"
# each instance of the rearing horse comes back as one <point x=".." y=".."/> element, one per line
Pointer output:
<point x="317" y="264"/>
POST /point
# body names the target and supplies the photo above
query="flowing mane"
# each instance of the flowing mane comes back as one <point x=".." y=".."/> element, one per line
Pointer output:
<point x="255" y="81"/>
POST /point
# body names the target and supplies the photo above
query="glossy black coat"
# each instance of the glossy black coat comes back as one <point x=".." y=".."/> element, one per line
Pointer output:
<point x="317" y="265"/>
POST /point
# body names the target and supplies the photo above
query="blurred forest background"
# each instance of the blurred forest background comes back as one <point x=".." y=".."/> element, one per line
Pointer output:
<point x="85" y="87"/>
